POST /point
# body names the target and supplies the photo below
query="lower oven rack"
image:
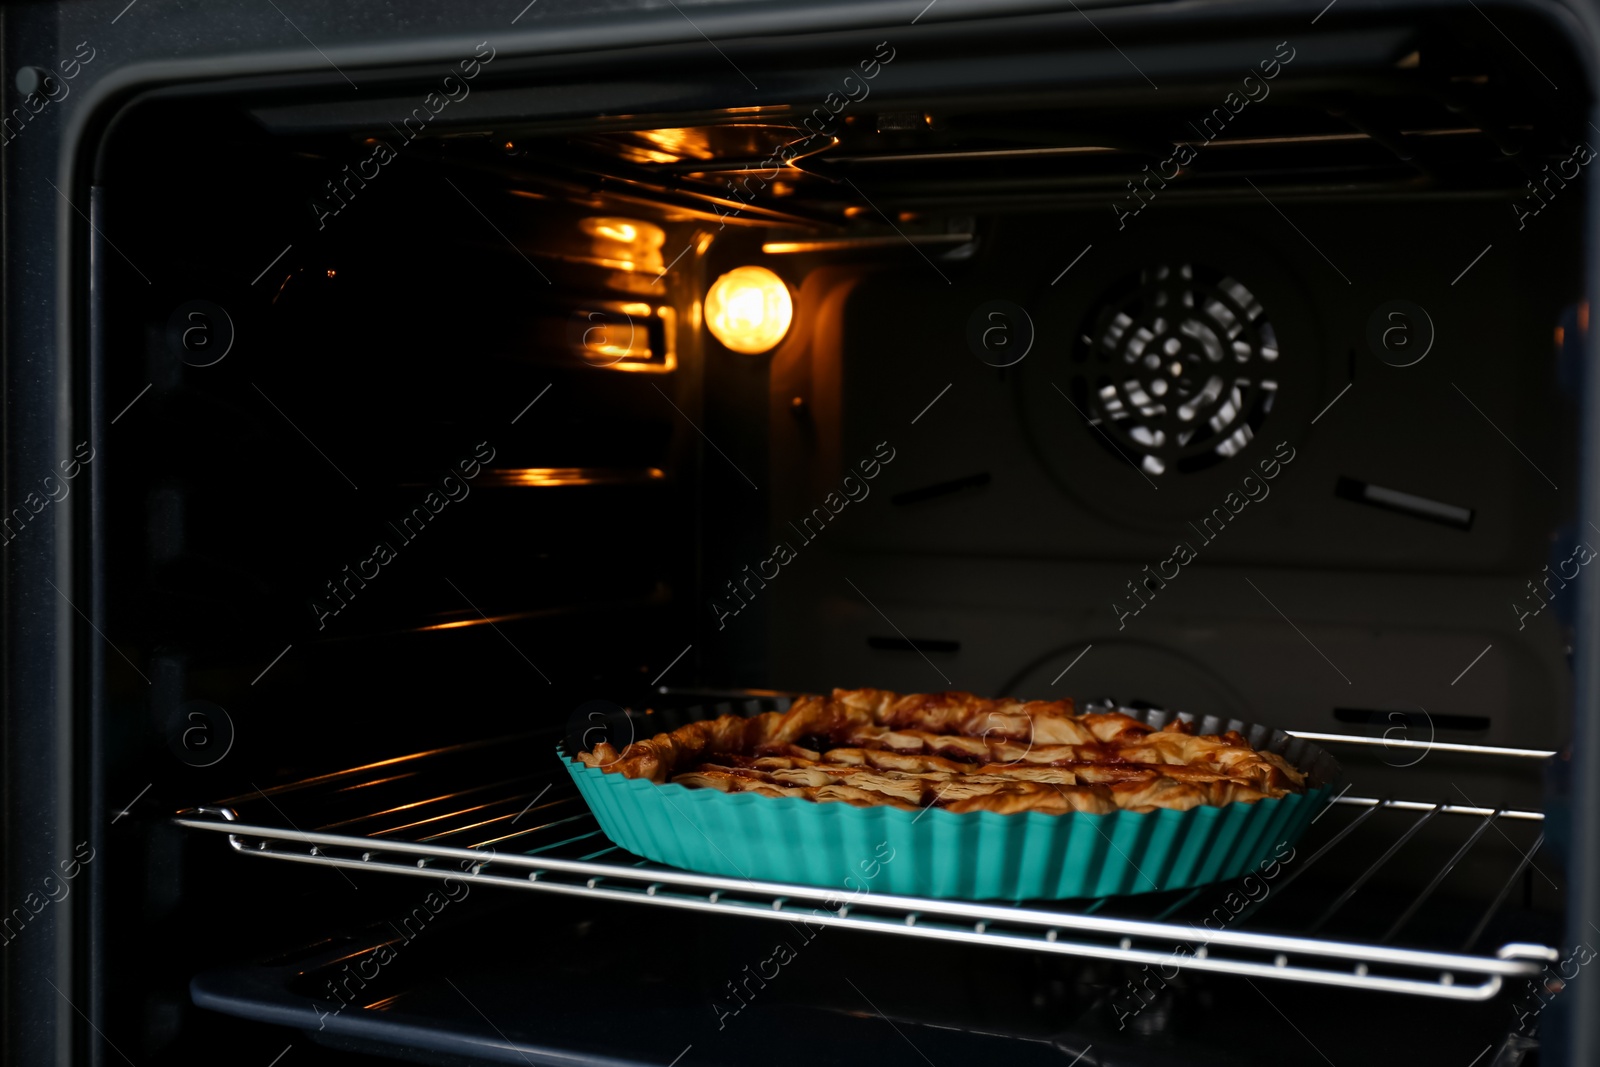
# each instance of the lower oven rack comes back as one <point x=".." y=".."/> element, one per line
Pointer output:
<point x="533" y="832"/>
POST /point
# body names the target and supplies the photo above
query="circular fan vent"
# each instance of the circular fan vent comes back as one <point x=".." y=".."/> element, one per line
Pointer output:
<point x="1175" y="366"/>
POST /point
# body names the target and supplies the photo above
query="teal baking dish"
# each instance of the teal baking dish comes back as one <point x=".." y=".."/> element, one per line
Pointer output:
<point x="968" y="856"/>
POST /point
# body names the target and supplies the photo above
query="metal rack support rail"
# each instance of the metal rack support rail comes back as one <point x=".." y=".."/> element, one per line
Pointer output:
<point x="1375" y="966"/>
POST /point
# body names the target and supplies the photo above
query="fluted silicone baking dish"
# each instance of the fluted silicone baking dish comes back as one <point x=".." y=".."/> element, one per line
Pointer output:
<point x="970" y="856"/>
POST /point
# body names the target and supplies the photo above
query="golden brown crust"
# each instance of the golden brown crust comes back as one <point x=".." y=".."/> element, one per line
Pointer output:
<point x="959" y="752"/>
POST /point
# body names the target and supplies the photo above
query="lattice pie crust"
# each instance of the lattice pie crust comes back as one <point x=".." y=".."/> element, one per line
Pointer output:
<point x="958" y="752"/>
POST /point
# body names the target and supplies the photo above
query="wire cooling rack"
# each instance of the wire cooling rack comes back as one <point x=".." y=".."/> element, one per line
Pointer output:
<point x="504" y="812"/>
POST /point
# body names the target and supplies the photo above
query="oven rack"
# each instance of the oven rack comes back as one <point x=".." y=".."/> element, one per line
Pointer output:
<point x="533" y="832"/>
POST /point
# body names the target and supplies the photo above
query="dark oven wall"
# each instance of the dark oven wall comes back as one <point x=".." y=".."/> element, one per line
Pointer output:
<point x="403" y="460"/>
<point x="379" y="455"/>
<point x="372" y="491"/>
<point x="1253" y="574"/>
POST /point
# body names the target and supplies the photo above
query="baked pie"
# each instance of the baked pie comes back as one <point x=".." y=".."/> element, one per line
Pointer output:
<point x="958" y="752"/>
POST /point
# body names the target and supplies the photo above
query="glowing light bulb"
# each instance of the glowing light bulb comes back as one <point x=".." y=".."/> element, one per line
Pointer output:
<point x="749" y="309"/>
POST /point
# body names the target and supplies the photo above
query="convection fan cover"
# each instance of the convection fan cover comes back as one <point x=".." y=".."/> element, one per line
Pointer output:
<point x="1176" y="367"/>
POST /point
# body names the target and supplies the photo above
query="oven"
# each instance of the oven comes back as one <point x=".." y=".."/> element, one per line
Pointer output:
<point x="392" y="398"/>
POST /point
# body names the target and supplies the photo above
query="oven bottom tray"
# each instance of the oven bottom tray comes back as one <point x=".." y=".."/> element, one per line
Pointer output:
<point x="968" y="856"/>
<point x="487" y="984"/>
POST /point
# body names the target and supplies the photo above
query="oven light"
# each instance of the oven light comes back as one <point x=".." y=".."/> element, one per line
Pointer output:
<point x="749" y="309"/>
